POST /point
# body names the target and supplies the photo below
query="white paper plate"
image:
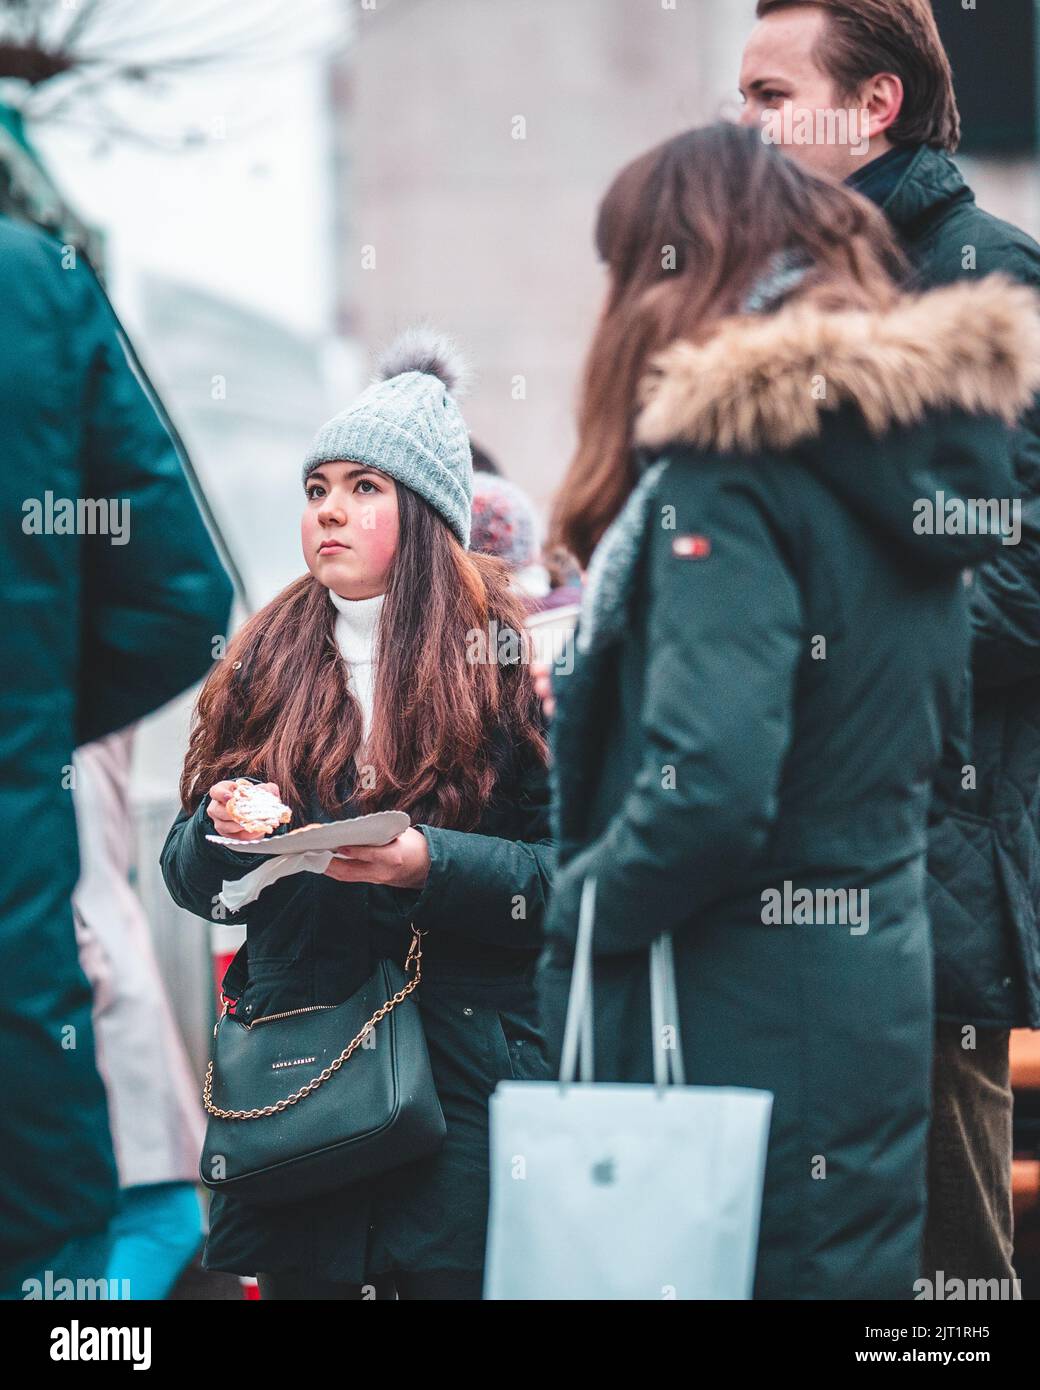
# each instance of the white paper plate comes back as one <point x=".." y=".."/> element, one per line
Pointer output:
<point x="377" y="829"/>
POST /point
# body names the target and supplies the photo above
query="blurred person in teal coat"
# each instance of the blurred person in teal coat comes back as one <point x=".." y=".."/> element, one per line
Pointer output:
<point x="112" y="595"/>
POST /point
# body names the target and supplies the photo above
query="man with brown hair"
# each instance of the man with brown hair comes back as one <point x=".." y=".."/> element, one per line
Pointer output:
<point x="882" y="62"/>
<point x="880" y="58"/>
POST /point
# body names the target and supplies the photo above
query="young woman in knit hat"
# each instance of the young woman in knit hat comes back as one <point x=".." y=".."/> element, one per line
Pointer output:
<point x="352" y="691"/>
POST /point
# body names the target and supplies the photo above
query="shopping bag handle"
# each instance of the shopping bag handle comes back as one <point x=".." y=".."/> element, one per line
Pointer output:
<point x="577" y="1051"/>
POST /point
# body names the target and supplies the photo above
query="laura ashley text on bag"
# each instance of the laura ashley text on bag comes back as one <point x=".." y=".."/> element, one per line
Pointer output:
<point x="624" y="1191"/>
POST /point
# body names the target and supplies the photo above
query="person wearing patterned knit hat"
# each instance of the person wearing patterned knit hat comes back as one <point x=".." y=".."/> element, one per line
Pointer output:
<point x="504" y="524"/>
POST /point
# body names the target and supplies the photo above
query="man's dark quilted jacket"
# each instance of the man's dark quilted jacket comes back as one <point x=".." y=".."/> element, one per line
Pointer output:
<point x="984" y="848"/>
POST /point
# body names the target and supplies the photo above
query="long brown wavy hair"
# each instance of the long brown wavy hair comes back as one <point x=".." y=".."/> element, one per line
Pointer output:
<point x="686" y="230"/>
<point x="443" y="725"/>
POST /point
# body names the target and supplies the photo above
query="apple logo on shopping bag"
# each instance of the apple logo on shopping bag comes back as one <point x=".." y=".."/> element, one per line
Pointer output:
<point x="603" y="1172"/>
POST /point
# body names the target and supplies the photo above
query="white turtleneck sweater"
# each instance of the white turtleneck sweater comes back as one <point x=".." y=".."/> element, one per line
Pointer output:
<point x="356" y="624"/>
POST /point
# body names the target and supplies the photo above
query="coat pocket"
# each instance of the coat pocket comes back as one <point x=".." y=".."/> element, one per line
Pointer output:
<point x="524" y="1048"/>
<point x="273" y="986"/>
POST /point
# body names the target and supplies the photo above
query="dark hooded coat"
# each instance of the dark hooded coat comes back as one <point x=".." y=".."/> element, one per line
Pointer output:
<point x="772" y="657"/>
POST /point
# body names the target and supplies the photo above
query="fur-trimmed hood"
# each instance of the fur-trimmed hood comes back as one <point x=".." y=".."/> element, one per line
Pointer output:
<point x="767" y="381"/>
<point x="960" y="364"/>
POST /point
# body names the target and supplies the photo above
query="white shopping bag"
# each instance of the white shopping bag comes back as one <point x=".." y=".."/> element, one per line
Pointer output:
<point x="621" y="1191"/>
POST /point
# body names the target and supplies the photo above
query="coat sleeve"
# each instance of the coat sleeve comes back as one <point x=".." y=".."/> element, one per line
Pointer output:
<point x="1005" y="592"/>
<point x="194" y="869"/>
<point x="488" y="888"/>
<point x="725" y="637"/>
<point x="1005" y="595"/>
<point x="153" y="602"/>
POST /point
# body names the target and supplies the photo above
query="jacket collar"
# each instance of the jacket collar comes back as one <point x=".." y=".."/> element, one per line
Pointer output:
<point x="971" y="346"/>
<point x="879" y="179"/>
<point x="930" y="186"/>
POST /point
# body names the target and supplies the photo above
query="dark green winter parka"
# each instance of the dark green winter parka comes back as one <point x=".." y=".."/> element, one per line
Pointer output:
<point x="768" y="663"/>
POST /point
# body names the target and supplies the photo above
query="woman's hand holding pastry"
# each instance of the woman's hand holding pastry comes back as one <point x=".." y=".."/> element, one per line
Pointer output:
<point x="403" y="863"/>
<point x="223" y="822"/>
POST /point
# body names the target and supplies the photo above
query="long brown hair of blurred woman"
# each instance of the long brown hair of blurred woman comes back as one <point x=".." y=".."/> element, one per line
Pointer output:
<point x="279" y="705"/>
<point x="686" y="231"/>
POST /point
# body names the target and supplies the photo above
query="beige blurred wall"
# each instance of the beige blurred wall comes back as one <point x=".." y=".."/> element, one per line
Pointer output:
<point x="491" y="236"/>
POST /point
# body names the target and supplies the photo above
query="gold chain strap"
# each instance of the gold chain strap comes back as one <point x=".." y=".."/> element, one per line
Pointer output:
<point x="414" y="954"/>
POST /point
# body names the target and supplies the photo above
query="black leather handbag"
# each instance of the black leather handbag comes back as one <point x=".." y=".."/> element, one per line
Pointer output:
<point x="364" y="1108"/>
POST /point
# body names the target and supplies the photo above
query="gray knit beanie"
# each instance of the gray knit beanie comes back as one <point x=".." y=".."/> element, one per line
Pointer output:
<point x="407" y="425"/>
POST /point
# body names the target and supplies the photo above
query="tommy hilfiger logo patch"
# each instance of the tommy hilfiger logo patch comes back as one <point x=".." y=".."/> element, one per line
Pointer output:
<point x="691" y="547"/>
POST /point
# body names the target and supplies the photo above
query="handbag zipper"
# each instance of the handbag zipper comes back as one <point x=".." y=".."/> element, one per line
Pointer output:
<point x="270" y="1018"/>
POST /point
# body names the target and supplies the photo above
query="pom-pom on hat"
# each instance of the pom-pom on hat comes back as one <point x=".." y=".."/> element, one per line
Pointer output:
<point x="408" y="425"/>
